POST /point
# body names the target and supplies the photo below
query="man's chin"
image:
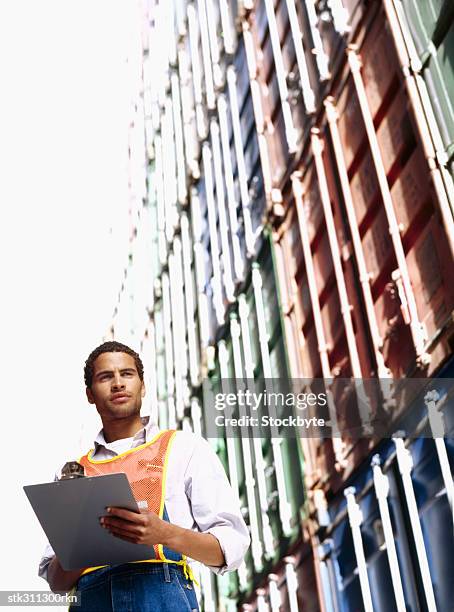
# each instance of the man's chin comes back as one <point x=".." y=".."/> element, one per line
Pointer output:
<point x="117" y="412"/>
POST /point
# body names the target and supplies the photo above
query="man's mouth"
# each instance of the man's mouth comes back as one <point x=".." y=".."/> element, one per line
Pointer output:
<point x="120" y="398"/>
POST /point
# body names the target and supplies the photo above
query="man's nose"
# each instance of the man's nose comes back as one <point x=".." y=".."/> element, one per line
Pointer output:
<point x="117" y="381"/>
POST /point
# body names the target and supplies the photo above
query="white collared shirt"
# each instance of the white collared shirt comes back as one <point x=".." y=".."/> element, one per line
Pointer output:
<point x="198" y="493"/>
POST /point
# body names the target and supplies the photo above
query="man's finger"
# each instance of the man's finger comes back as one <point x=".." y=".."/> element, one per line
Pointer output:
<point x="124" y="535"/>
<point x="127" y="515"/>
<point x="119" y="523"/>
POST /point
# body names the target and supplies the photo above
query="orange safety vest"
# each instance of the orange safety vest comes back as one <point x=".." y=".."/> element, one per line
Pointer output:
<point x="146" y="469"/>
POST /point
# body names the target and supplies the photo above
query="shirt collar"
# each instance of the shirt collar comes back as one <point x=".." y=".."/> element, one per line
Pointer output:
<point x="144" y="435"/>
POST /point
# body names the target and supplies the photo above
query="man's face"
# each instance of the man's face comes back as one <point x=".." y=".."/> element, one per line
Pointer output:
<point x="116" y="388"/>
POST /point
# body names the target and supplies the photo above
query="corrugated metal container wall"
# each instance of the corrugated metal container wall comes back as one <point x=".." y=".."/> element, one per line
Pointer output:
<point x="300" y="192"/>
<point x="371" y="562"/>
<point x="253" y="347"/>
<point x="366" y="253"/>
<point x="208" y="102"/>
<point x="431" y="24"/>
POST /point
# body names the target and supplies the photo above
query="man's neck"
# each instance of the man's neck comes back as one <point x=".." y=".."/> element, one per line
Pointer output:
<point x="121" y="428"/>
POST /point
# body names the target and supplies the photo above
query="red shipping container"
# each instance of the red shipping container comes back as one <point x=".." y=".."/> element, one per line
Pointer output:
<point x="278" y="143"/>
<point x="281" y="19"/>
<point x="287" y="277"/>
<point x="430" y="264"/>
<point x="377" y="246"/>
<point x="398" y="350"/>
<point x="288" y="53"/>
<point x="364" y="188"/>
<point x="333" y="324"/>
<point x="274" y="97"/>
<point x="322" y="261"/>
<point x="354" y="9"/>
<point x="292" y="240"/>
<point x="340" y="221"/>
<point x="349" y="271"/>
<point x="395" y="131"/>
<point x="313" y="208"/>
<point x="350" y="124"/>
<point x="412" y="190"/>
<point x="380" y="63"/>
<point x="260" y="21"/>
<point x="359" y="322"/>
<point x="300" y="119"/>
<point x="293" y="335"/>
<point x="310" y="354"/>
<point x="303" y="301"/>
<point x="277" y="156"/>
<point x="266" y="59"/>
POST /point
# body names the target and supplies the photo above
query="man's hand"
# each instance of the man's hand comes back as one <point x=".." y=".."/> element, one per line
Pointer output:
<point x="60" y="580"/>
<point x="147" y="528"/>
<point x="144" y="528"/>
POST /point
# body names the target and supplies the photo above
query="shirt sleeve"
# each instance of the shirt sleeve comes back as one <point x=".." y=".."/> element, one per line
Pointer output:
<point x="47" y="557"/>
<point x="48" y="553"/>
<point x="214" y="506"/>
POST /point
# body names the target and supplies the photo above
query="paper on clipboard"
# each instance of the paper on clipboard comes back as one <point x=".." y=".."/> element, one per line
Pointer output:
<point x="69" y="512"/>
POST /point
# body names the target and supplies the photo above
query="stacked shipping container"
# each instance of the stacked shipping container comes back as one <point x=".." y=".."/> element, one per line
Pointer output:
<point x="300" y="209"/>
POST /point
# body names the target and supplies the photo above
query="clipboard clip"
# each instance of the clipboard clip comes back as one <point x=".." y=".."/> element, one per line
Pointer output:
<point x="72" y="469"/>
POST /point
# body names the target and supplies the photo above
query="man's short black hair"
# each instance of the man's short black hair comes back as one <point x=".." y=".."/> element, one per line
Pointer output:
<point x="110" y="347"/>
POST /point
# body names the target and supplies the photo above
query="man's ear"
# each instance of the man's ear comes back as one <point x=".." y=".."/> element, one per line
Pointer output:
<point x="143" y="390"/>
<point x="89" y="394"/>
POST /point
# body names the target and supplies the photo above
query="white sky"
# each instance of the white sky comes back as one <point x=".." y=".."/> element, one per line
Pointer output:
<point x="63" y="185"/>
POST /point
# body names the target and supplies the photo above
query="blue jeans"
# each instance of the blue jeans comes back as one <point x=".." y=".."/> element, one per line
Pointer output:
<point x="136" y="587"/>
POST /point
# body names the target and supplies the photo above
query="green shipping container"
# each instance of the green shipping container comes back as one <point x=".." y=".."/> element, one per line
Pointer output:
<point x="428" y="21"/>
<point x="439" y="76"/>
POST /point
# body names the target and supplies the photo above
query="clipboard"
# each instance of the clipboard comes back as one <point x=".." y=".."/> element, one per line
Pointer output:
<point x="69" y="512"/>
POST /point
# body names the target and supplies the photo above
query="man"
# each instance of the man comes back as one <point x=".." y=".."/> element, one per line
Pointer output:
<point x="190" y="508"/>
